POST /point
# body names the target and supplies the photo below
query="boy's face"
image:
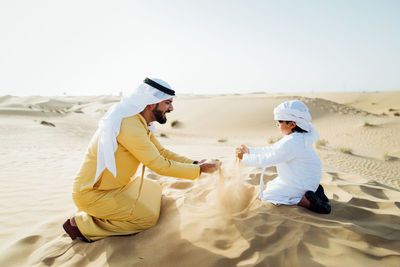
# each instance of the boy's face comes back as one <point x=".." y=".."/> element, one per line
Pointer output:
<point x="285" y="127"/>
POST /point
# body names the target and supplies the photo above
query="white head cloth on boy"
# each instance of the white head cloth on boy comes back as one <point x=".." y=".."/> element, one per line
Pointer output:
<point x="297" y="111"/>
<point x="151" y="91"/>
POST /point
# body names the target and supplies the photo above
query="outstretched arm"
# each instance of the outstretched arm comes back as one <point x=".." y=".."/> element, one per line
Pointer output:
<point x="204" y="167"/>
<point x="274" y="155"/>
<point x="133" y="136"/>
<point x="240" y="151"/>
<point x="169" y="154"/>
<point x="260" y="150"/>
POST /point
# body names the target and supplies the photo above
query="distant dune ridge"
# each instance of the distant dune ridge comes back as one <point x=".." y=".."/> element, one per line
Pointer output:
<point x="216" y="220"/>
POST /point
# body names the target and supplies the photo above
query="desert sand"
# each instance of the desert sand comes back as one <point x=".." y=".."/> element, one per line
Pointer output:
<point x="217" y="219"/>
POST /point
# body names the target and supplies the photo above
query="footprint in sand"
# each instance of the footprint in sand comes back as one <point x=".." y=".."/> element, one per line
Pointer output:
<point x="49" y="252"/>
<point x="222" y="244"/>
<point x="355" y="190"/>
<point x="373" y="191"/>
<point x="361" y="202"/>
<point x="263" y="230"/>
<point x="181" y="185"/>
<point x="30" y="240"/>
<point x="153" y="176"/>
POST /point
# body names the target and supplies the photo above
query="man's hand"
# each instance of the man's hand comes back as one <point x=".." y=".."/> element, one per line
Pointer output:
<point x="210" y="167"/>
<point x="199" y="162"/>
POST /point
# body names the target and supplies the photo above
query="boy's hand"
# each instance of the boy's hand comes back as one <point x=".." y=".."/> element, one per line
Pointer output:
<point x="240" y="151"/>
<point x="245" y="149"/>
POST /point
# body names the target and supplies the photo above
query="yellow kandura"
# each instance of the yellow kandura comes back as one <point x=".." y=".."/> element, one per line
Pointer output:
<point x="114" y="205"/>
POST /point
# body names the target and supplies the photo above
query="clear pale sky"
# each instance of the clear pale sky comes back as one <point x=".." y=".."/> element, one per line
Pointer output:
<point x="48" y="47"/>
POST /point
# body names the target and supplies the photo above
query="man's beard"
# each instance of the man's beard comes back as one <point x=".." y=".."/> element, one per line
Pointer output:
<point x="158" y="114"/>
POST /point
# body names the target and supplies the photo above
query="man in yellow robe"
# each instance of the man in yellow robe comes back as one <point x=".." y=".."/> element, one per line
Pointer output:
<point x="110" y="200"/>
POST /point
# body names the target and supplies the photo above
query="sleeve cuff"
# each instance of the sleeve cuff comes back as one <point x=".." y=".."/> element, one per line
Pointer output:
<point x="245" y="158"/>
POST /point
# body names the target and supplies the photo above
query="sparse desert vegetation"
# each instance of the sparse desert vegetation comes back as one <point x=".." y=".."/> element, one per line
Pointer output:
<point x="320" y="143"/>
<point x="388" y="157"/>
<point x="46" y="123"/>
<point x="346" y="150"/>
<point x="367" y="124"/>
<point x="272" y="140"/>
<point x="175" y="123"/>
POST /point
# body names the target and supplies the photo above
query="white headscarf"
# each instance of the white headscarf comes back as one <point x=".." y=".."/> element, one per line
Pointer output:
<point x="297" y="111"/>
<point x="110" y="124"/>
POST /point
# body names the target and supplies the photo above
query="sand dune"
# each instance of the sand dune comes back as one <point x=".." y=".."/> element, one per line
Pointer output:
<point x="217" y="219"/>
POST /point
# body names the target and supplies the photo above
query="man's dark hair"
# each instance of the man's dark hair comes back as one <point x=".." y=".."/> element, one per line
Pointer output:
<point x="295" y="129"/>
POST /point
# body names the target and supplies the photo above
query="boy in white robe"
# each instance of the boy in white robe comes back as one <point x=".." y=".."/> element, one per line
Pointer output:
<point x="298" y="166"/>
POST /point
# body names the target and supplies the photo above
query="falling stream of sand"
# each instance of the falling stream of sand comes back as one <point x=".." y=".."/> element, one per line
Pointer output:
<point x="233" y="194"/>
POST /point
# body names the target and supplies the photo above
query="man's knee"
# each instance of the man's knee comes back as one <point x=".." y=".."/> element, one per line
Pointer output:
<point x="150" y="183"/>
<point x="154" y="219"/>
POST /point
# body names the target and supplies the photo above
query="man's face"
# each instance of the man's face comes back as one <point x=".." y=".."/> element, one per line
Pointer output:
<point x="161" y="109"/>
